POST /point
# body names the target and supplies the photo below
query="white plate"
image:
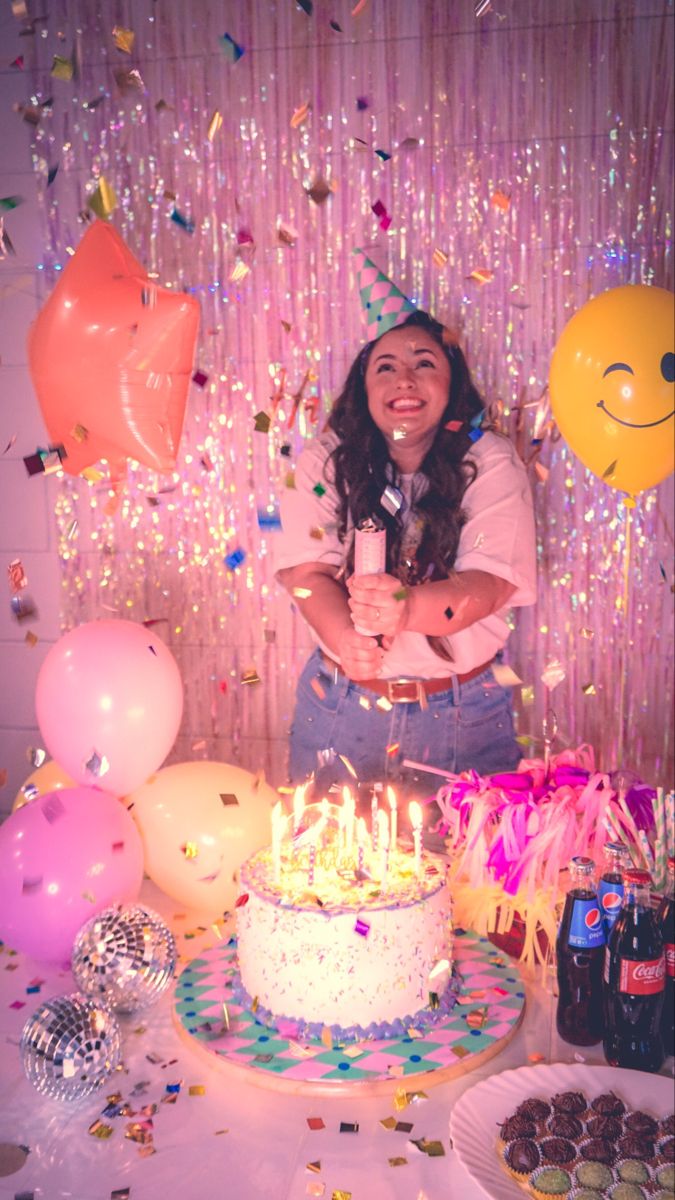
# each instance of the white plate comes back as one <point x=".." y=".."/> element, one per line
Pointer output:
<point x="475" y="1119"/>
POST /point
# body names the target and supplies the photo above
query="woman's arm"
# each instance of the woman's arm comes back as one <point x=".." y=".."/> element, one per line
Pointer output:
<point x="437" y="609"/>
<point x="326" y="609"/>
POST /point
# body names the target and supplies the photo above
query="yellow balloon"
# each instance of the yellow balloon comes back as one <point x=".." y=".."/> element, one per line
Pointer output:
<point x="199" y="821"/>
<point x="47" y="778"/>
<point x="611" y="385"/>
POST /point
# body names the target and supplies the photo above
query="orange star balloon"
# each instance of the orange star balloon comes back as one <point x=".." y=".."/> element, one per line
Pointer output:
<point x="111" y="355"/>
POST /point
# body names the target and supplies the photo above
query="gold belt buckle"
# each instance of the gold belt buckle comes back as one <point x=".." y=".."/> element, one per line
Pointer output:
<point x="405" y="691"/>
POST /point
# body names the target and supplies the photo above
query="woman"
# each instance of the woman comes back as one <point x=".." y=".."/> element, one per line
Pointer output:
<point x="403" y="445"/>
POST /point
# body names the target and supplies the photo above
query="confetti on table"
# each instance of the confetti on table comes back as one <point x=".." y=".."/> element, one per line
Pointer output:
<point x="197" y="1089"/>
<point x="339" y="1194"/>
<point x="500" y="200"/>
<point x="398" y="1162"/>
<point x="349" y="1127"/>
<point x="316" y="1123"/>
<point x="182" y="221"/>
<point x="434" y="1149"/>
<point x="400" y="1099"/>
<point x="460" y="1051"/>
<point x="384" y="218"/>
<point x="319" y="191"/>
<point x="215" y="124"/>
<point x="314" y="1167"/>
<point x="315" y="1188"/>
<point x="301" y="114"/>
<point x="403" y="1126"/>
<point x="261" y="422"/>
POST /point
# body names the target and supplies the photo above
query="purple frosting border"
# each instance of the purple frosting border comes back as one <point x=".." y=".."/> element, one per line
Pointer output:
<point x="298" y="1029"/>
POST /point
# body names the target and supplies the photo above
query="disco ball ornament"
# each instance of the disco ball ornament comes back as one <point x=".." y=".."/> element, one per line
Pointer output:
<point x="125" y="956"/>
<point x="70" y="1046"/>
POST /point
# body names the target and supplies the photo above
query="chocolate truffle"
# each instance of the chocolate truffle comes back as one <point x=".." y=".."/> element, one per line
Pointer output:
<point x="599" y="1150"/>
<point x="608" y="1127"/>
<point x="666" y="1150"/>
<point x="517" y="1127"/>
<point x="558" y="1150"/>
<point x="533" y="1110"/>
<point x="565" y="1126"/>
<point x="608" y="1105"/>
<point x="632" y="1146"/>
<point x="667" y="1126"/>
<point x="641" y="1123"/>
<point x="569" y="1102"/>
<point x="522" y="1156"/>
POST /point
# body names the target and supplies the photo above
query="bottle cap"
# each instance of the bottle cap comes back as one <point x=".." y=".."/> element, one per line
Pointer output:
<point x="633" y="875"/>
<point x="616" y="849"/>
<point x="581" y="863"/>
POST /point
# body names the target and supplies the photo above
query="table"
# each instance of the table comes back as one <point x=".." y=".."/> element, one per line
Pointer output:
<point x="236" y="1141"/>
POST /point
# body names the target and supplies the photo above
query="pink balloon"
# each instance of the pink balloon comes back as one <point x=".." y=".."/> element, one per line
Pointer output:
<point x="109" y="702"/>
<point x="63" y="858"/>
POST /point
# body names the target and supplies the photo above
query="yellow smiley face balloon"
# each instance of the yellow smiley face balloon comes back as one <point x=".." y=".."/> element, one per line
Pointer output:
<point x="611" y="386"/>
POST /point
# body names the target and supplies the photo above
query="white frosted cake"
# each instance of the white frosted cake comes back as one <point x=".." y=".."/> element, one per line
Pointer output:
<point x="354" y="937"/>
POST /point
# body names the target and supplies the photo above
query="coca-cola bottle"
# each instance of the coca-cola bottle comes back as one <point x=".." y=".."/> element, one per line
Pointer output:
<point x="610" y="884"/>
<point x="580" y="950"/>
<point x="634" y="978"/>
<point x="666" y="921"/>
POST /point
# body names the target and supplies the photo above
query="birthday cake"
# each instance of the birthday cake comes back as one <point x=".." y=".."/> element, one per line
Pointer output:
<point x="351" y="934"/>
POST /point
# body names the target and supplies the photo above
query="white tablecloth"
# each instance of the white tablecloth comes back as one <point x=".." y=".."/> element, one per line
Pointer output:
<point x="263" y="1154"/>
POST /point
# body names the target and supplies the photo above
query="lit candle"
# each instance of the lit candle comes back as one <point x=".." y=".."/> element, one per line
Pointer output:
<point x="277" y="830"/>
<point x="415" y="814"/>
<point x="349" y="806"/>
<point x="373" y="818"/>
<point x="393" y="834"/>
<point x="383" y="842"/>
<point x="298" y="807"/>
<point x="361" y="836"/>
<point x="312" y="861"/>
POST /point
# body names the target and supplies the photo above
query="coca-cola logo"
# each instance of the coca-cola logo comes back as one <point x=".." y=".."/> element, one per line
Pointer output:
<point x="650" y="971"/>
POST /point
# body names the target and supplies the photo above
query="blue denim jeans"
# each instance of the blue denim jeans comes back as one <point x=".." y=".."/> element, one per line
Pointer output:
<point x="470" y="725"/>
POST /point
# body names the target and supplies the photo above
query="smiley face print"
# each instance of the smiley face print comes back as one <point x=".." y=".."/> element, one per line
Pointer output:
<point x="612" y="386"/>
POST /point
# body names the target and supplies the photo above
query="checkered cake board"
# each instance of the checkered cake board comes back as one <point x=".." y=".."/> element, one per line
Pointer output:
<point x="490" y="1007"/>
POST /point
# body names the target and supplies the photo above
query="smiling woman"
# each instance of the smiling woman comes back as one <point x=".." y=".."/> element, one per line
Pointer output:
<point x="406" y="450"/>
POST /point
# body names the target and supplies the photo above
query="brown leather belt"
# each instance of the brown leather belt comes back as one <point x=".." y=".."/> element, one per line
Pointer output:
<point x="409" y="691"/>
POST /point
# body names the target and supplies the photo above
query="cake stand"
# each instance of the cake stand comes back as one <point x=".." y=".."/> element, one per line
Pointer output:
<point x="490" y="1007"/>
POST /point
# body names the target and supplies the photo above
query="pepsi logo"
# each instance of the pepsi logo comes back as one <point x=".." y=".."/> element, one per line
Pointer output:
<point x="593" y="918"/>
<point x="611" y="902"/>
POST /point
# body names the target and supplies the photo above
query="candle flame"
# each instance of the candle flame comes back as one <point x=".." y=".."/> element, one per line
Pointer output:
<point x="415" y="814"/>
<point x="391" y="796"/>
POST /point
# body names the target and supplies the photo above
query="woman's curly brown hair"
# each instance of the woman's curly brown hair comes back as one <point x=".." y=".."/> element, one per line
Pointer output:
<point x="363" y="467"/>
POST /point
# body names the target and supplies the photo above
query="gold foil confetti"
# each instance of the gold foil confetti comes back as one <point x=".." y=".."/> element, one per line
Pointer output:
<point x="315" y="1188"/>
<point x="589" y="689"/>
<point x="103" y="201"/>
<point x="609" y="471"/>
<point x="353" y="1051"/>
<point x="400" y="1099"/>
<point x="302" y="593"/>
<point x="501" y="201"/>
<point x="197" y="1089"/>
<point x="348" y="765"/>
<point x="481" y="275"/>
<point x="314" y="1167"/>
<point x="215" y="124"/>
<point x="62" y="68"/>
<point x="301" y="114"/>
<point x="190" y="849"/>
<point x="319" y="191"/>
<point x="99" y="1129"/>
<point x="439" y="258"/>
<point x="398" y="1162"/>
<point x="31" y="639"/>
<point x="340" y="1194"/>
<point x="460" y="1051"/>
<point x="250" y="676"/>
<point x="388" y="1122"/>
<point x="123" y="39"/>
<point x="327" y="1037"/>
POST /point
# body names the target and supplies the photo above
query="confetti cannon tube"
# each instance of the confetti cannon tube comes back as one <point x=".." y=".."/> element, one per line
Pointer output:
<point x="370" y="555"/>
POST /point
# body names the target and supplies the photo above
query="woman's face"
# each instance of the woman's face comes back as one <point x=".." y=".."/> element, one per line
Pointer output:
<point x="408" y="383"/>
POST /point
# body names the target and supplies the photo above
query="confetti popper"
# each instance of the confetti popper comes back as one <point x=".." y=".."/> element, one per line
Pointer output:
<point x="370" y="555"/>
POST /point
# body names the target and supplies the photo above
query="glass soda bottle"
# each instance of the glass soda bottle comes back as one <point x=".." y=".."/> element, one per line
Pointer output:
<point x="610" y="884"/>
<point x="666" y="921"/>
<point x="634" y="979"/>
<point x="580" y="950"/>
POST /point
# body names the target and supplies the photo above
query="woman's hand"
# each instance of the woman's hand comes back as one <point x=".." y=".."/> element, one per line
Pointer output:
<point x="380" y="603"/>
<point x="360" y="656"/>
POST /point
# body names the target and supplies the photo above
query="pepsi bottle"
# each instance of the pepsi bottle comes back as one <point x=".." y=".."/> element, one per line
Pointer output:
<point x="610" y="885"/>
<point x="580" y="952"/>
<point x="666" y="921"/>
<point x="634" y="980"/>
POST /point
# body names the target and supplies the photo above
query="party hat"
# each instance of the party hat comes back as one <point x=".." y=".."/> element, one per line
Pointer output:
<point x="384" y="306"/>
